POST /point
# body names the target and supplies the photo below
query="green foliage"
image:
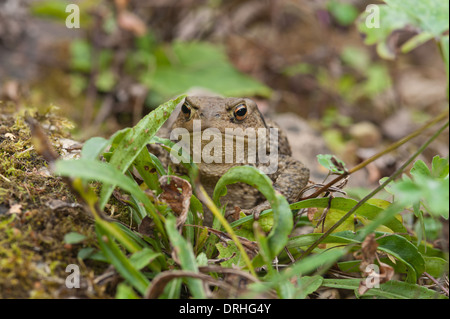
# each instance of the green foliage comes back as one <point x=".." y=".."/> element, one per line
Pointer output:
<point x="167" y="70"/>
<point x="139" y="256"/>
<point x="430" y="187"/>
<point x="331" y="163"/>
<point x="344" y="13"/>
<point x="198" y="64"/>
<point x="146" y="256"/>
<point x="430" y="18"/>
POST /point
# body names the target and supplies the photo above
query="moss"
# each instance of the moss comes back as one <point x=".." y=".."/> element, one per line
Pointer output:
<point x="33" y="255"/>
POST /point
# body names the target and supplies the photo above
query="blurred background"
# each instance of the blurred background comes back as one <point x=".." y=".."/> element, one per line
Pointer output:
<point x="304" y="62"/>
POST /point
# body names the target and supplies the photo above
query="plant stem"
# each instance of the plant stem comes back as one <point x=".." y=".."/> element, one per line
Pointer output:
<point x="213" y="208"/>
<point x="389" y="149"/>
<point x="365" y="199"/>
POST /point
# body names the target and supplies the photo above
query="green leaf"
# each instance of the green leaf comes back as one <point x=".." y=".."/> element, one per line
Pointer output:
<point x="420" y="168"/>
<point x="283" y="223"/>
<point x="341" y="206"/>
<point x="332" y="163"/>
<point x="435" y="266"/>
<point x="134" y="141"/>
<point x="142" y="258"/>
<point x="429" y="17"/>
<point x="106" y="173"/>
<point x="344" y="13"/>
<point x="186" y="256"/>
<point x="147" y="170"/>
<point x="307" y="285"/>
<point x="199" y="64"/>
<point x="80" y="51"/>
<point x="439" y="167"/>
<point x="125" y="292"/>
<point x="93" y="147"/>
<point x="116" y="257"/>
<point x="106" y="80"/>
<point x="406" y="252"/>
<point x="74" y="238"/>
<point x="390" y="290"/>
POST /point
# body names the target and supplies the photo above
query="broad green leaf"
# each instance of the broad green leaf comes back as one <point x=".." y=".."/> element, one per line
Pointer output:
<point x="435" y="266"/>
<point x="283" y="223"/>
<point x="395" y="245"/>
<point x="406" y="252"/>
<point x="135" y="140"/>
<point x="429" y="17"/>
<point x="439" y="167"/>
<point x="420" y="168"/>
<point x="184" y="65"/>
<point x="147" y="170"/>
<point x="93" y="147"/>
<point x="368" y="211"/>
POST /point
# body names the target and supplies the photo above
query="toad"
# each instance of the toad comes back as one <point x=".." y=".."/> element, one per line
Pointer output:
<point x="225" y="132"/>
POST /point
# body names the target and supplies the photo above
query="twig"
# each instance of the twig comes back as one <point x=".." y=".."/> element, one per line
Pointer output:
<point x="445" y="290"/>
<point x="379" y="188"/>
<point x="389" y="149"/>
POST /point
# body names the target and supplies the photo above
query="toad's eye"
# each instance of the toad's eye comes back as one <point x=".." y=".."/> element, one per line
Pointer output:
<point x="187" y="110"/>
<point x="240" y="112"/>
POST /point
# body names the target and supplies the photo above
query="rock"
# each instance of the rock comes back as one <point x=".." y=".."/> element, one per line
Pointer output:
<point x="306" y="143"/>
<point x="365" y="134"/>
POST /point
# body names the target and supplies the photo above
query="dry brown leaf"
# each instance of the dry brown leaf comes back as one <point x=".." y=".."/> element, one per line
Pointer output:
<point x="131" y="22"/>
<point x="15" y="209"/>
<point x="176" y="192"/>
<point x="311" y="212"/>
<point x="386" y="272"/>
<point x="146" y="227"/>
<point x="368" y="249"/>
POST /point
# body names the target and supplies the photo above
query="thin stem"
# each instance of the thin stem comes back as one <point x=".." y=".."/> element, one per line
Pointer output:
<point x="213" y="208"/>
<point x="379" y="188"/>
<point x="389" y="149"/>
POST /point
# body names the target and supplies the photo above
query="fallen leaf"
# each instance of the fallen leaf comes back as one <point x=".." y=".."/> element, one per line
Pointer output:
<point x="15" y="209"/>
<point x="176" y="192"/>
<point x="131" y="22"/>
<point x="368" y="249"/>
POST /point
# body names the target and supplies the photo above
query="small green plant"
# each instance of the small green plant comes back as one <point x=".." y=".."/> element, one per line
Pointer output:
<point x="169" y="248"/>
<point x="146" y="259"/>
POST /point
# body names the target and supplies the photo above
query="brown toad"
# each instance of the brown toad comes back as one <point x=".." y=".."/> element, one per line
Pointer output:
<point x="219" y="129"/>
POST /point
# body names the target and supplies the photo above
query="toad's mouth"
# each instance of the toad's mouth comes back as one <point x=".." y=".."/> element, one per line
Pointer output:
<point x="211" y="147"/>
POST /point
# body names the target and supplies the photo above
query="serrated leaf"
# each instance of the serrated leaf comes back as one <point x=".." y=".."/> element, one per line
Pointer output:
<point x="331" y="162"/>
<point x="439" y="167"/>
